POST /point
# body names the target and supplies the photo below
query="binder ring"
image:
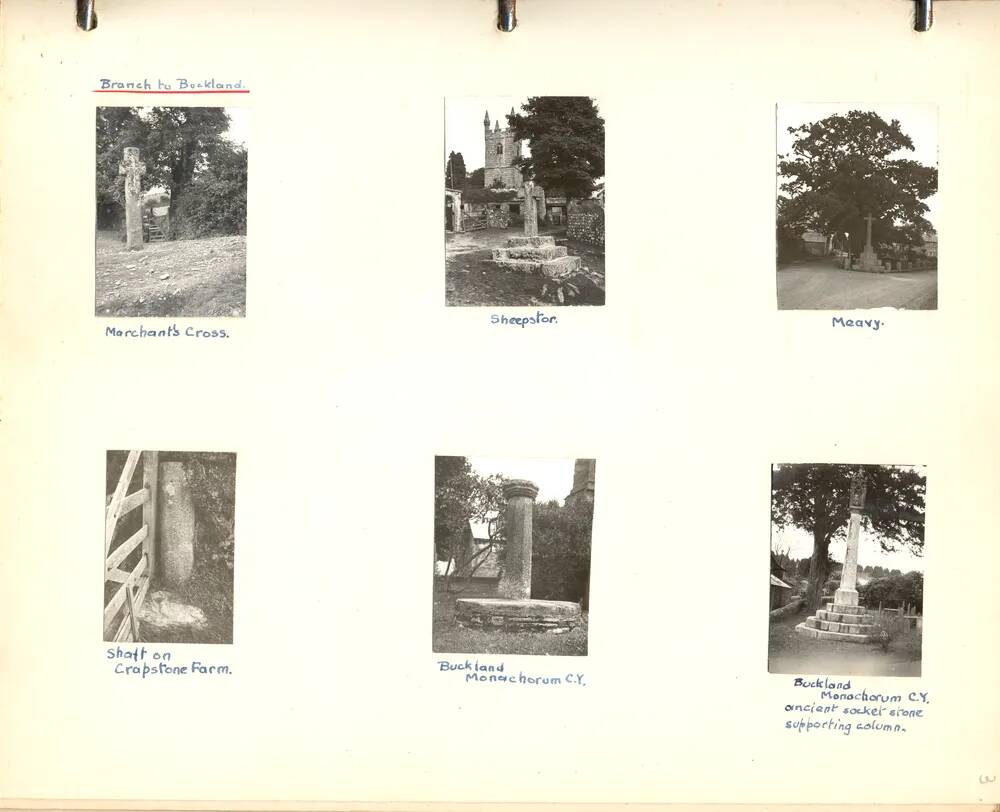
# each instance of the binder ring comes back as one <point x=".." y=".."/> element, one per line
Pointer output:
<point x="508" y="18"/>
<point x="86" y="15"/>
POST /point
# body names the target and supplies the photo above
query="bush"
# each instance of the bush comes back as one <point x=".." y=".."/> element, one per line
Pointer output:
<point x="560" y="560"/>
<point x="215" y="203"/>
<point x="894" y="590"/>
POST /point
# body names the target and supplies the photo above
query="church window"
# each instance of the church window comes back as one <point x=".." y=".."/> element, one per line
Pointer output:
<point x="500" y="150"/>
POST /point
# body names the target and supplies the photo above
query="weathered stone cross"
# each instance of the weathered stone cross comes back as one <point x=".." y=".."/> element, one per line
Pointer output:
<point x="133" y="169"/>
<point x="530" y="212"/>
<point x="868" y="241"/>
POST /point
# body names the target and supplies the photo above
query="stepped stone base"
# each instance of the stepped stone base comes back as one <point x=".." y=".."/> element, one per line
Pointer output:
<point x="537" y="255"/>
<point x="527" y="615"/>
<point x="844" y="622"/>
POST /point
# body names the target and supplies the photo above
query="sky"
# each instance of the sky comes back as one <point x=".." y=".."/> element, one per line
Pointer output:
<point x="919" y="121"/>
<point x="463" y="124"/>
<point x="238" y="120"/>
<point x="554" y="478"/>
<point x="799" y="544"/>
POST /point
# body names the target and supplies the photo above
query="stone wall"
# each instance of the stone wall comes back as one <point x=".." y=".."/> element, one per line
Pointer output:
<point x="585" y="222"/>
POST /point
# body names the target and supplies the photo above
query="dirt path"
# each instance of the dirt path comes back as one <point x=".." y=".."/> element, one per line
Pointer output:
<point x="205" y="277"/>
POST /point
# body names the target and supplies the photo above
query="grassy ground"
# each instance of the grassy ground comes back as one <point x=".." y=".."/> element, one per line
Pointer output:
<point x="471" y="279"/>
<point x="791" y="653"/>
<point x="824" y="286"/>
<point x="450" y="638"/>
<point x="205" y="277"/>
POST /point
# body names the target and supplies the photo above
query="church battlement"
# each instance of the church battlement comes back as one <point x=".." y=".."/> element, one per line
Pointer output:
<point x="502" y="149"/>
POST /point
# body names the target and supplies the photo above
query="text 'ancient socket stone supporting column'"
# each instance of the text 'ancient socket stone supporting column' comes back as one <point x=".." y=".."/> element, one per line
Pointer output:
<point x="516" y="581"/>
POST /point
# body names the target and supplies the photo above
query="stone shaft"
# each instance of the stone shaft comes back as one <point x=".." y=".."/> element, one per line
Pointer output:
<point x="516" y="580"/>
<point x="133" y="169"/>
<point x="177" y="524"/>
<point x="530" y="211"/>
<point x="847" y="595"/>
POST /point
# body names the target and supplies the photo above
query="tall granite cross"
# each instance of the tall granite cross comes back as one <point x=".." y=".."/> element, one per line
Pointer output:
<point x="868" y="238"/>
<point x="516" y="580"/>
<point x="530" y="211"/>
<point x="847" y="595"/>
<point x="133" y="169"/>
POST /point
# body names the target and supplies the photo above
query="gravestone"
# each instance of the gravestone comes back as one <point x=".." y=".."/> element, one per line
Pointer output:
<point x="514" y="609"/>
<point x="844" y="619"/>
<point x="176" y="527"/>
<point x="133" y="169"/>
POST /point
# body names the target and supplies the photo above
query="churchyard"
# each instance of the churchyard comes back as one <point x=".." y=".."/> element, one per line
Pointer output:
<point x="846" y="575"/>
<point x="526" y="226"/>
<point x="473" y="279"/>
<point x="512" y="576"/>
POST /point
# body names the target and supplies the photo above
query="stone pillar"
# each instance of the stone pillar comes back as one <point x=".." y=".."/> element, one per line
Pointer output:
<point x="530" y="212"/>
<point x="133" y="169"/>
<point x="516" y="581"/>
<point x="456" y="212"/>
<point x="176" y="525"/>
<point x="847" y="595"/>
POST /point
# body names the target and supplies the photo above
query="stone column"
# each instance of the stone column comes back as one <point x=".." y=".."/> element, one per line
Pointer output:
<point x="530" y="213"/>
<point x="176" y="526"/>
<point x="133" y="169"/>
<point x="847" y="595"/>
<point x="516" y="581"/>
<point x="456" y="212"/>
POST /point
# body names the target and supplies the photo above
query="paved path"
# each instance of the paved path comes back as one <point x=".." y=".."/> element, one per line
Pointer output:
<point x="822" y="286"/>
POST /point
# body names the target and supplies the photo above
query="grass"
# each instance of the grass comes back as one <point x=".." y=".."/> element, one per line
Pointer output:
<point x="211" y="590"/>
<point x="451" y="638"/>
<point x="471" y="279"/>
<point x="792" y="653"/>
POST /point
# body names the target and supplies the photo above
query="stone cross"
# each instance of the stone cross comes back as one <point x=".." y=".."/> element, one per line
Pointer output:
<point x="516" y="581"/>
<point x="868" y="238"/>
<point x="133" y="169"/>
<point x="847" y="595"/>
<point x="530" y="213"/>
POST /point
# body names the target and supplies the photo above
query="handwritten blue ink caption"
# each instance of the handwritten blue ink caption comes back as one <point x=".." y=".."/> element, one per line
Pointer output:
<point x="839" y="707"/>
<point x="872" y="324"/>
<point x="172" y="331"/>
<point x="476" y="671"/>
<point x="143" y="663"/>
<point x="177" y="84"/>
<point x="523" y="321"/>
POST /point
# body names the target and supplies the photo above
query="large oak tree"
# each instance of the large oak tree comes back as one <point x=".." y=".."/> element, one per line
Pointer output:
<point x="815" y="498"/>
<point x="845" y="167"/>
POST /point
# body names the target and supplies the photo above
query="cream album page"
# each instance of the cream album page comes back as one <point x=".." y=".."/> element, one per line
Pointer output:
<point x="328" y="289"/>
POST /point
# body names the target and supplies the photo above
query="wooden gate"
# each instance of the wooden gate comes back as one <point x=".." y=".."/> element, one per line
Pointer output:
<point x="121" y="621"/>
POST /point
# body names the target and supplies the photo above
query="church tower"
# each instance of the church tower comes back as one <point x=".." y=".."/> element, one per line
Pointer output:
<point x="502" y="150"/>
<point x="583" y="482"/>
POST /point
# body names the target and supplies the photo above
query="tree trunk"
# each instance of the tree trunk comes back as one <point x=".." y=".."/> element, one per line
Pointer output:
<point x="817" y="572"/>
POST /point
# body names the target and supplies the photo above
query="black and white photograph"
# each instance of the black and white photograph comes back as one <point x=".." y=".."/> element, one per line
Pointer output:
<point x="857" y="206"/>
<point x="512" y="555"/>
<point x="846" y="569"/>
<point x="171" y="211"/>
<point x="169" y="546"/>
<point x="524" y="201"/>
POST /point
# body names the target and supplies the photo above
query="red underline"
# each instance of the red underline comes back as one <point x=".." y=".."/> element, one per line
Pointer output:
<point x="171" y="91"/>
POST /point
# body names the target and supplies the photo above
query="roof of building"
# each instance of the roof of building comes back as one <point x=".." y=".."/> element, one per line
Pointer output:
<point x="776" y="581"/>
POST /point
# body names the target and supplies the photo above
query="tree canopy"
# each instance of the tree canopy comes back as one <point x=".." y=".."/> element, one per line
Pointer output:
<point x="460" y="495"/>
<point x="454" y="171"/>
<point x="565" y="135"/>
<point x="185" y="152"/>
<point x="845" y="167"/>
<point x="815" y="498"/>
